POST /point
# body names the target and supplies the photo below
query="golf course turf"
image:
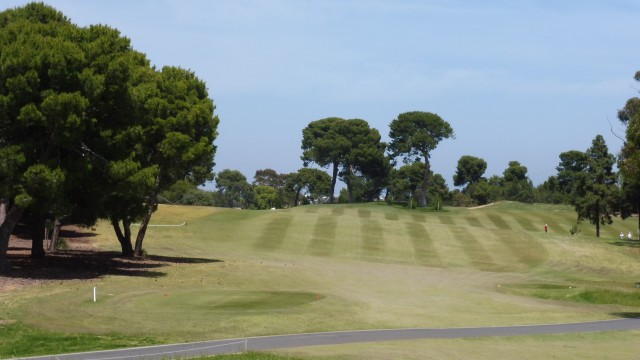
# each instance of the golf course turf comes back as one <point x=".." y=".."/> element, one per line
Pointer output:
<point x="236" y="273"/>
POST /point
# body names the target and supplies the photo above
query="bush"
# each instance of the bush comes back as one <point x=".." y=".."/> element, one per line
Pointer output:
<point x="574" y="229"/>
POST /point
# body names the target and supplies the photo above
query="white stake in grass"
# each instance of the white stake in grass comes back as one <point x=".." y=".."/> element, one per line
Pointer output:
<point x="94" y="294"/>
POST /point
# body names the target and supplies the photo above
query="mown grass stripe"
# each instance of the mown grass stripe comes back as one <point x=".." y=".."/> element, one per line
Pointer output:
<point x="274" y="233"/>
<point x="311" y="208"/>
<point x="526" y="250"/>
<point x="499" y="222"/>
<point x="424" y="252"/>
<point x="559" y="223"/>
<point x="372" y="239"/>
<point x="475" y="252"/>
<point x="337" y="210"/>
<point x="391" y="216"/>
<point x="324" y="236"/>
<point x="524" y="220"/>
<point x="418" y="217"/>
<point x="364" y="213"/>
<point x="473" y="221"/>
<point x="446" y="220"/>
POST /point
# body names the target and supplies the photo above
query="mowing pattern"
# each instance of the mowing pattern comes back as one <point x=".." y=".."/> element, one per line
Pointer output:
<point x="324" y="236"/>
<point x="274" y="233"/>
<point x="423" y="250"/>
<point x="498" y="238"/>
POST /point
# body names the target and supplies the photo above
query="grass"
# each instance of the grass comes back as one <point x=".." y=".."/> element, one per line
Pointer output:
<point x="613" y="345"/>
<point x="321" y="268"/>
<point x="251" y="356"/>
<point x="17" y="339"/>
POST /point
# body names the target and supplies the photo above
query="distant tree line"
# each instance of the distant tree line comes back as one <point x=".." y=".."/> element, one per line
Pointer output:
<point x="355" y="155"/>
<point x="89" y="130"/>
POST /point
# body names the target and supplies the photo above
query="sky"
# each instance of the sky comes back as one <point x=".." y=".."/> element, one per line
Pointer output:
<point x="517" y="80"/>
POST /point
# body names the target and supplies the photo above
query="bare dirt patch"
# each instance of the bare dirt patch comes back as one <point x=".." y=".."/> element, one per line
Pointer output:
<point x="482" y="206"/>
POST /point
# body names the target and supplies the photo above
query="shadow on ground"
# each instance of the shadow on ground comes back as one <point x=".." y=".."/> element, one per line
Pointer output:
<point x="627" y="315"/>
<point x="627" y="243"/>
<point x="81" y="261"/>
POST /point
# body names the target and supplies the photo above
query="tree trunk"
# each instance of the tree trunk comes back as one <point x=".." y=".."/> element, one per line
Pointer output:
<point x="123" y="238"/>
<point x="142" y="231"/>
<point x="333" y="181"/>
<point x="350" y="184"/>
<point x="597" y="220"/>
<point x="151" y="206"/>
<point x="295" y="199"/>
<point x="37" y="237"/>
<point x="3" y="210"/>
<point x="6" y="228"/>
<point x="425" y="184"/>
<point x="638" y="230"/>
<point x="53" y="246"/>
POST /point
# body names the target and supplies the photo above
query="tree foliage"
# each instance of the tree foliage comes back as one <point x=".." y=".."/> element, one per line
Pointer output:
<point x="597" y="194"/>
<point x="414" y="135"/>
<point x="629" y="160"/>
<point x="234" y="190"/>
<point x="313" y="184"/>
<point x="43" y="113"/>
<point x="85" y="116"/>
<point x="350" y="147"/>
<point x="271" y="178"/>
<point x="469" y="170"/>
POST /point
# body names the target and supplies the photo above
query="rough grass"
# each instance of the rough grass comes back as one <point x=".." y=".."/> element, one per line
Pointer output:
<point x="234" y="273"/>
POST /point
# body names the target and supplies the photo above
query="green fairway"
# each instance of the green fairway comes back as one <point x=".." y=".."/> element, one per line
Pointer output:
<point x="235" y="273"/>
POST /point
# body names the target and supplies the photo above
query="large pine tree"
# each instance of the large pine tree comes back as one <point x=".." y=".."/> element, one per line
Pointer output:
<point x="597" y="195"/>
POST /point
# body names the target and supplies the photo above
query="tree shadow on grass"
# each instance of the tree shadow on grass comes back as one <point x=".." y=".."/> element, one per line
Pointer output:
<point x="627" y="243"/>
<point x="81" y="265"/>
<point x="82" y="262"/>
<point x="627" y="315"/>
<point x="181" y="260"/>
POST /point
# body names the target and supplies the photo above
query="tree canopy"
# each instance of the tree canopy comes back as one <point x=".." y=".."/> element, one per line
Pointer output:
<point x="89" y="128"/>
<point x="414" y="135"/>
<point x="629" y="160"/>
<point x="351" y="147"/>
<point x="597" y="195"/>
<point x="469" y="170"/>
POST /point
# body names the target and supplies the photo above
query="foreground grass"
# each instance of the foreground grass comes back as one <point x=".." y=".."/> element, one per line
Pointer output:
<point x="614" y="345"/>
<point x="232" y="273"/>
<point x="251" y="356"/>
<point x="20" y="340"/>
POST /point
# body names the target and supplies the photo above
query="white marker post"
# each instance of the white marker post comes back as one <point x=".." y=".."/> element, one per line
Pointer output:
<point x="94" y="294"/>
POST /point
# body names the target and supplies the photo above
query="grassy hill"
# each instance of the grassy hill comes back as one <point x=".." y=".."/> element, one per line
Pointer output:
<point x="234" y="273"/>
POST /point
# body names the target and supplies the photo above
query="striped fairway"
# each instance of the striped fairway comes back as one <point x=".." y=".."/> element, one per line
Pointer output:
<point x="342" y="267"/>
<point x="486" y="240"/>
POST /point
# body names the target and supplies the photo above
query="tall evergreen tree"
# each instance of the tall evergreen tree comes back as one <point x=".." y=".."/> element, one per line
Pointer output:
<point x="629" y="161"/>
<point x="597" y="195"/>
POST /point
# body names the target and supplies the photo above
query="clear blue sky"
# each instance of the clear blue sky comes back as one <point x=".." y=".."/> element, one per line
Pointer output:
<point x="517" y="80"/>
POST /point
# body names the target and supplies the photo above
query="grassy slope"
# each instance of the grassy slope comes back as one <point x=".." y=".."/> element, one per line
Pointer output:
<point x="319" y="268"/>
